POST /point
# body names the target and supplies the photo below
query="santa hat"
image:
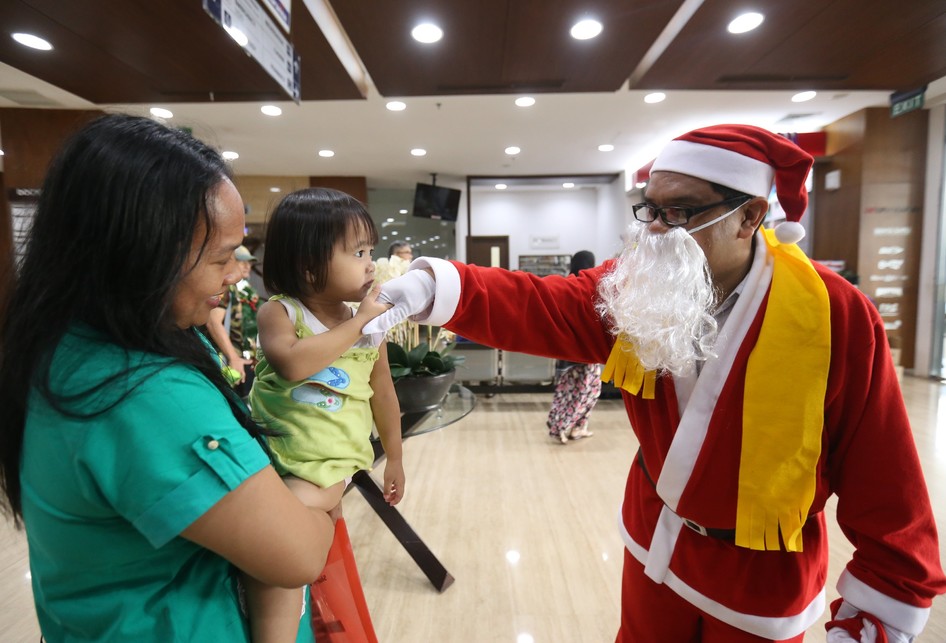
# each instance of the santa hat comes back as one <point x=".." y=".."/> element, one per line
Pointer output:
<point x="748" y="159"/>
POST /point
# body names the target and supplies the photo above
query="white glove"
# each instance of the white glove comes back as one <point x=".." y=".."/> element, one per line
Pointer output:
<point x="412" y="294"/>
<point x="869" y="628"/>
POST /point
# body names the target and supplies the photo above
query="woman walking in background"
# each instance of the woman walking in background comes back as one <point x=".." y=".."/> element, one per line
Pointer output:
<point x="577" y="385"/>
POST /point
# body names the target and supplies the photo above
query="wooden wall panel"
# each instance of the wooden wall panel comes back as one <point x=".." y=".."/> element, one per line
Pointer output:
<point x="258" y="196"/>
<point x="892" y="221"/>
<point x="837" y="215"/>
<point x="873" y="221"/>
<point x="357" y="186"/>
<point x="6" y="247"/>
<point x="31" y="137"/>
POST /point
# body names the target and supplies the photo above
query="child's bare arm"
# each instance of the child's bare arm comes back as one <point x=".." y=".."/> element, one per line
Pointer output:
<point x="296" y="359"/>
<point x="387" y="417"/>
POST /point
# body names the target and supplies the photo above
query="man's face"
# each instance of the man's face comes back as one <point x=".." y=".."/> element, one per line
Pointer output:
<point x="671" y="189"/>
<point x="404" y="253"/>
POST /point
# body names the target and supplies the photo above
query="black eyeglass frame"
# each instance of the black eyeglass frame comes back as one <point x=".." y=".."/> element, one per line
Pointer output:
<point x="688" y="212"/>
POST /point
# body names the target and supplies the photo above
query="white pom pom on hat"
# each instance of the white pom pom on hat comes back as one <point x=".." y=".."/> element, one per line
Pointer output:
<point x="748" y="159"/>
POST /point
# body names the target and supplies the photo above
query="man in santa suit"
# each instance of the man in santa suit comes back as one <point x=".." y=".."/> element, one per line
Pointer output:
<point x="758" y="384"/>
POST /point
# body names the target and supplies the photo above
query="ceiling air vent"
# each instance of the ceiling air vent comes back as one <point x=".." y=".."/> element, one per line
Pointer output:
<point x="788" y="118"/>
<point x="28" y="98"/>
<point x="781" y="78"/>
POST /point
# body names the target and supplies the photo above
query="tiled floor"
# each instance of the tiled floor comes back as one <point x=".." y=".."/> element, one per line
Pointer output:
<point x="527" y="527"/>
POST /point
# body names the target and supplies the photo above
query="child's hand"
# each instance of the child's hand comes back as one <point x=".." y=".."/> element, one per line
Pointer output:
<point x="370" y="307"/>
<point x="393" y="482"/>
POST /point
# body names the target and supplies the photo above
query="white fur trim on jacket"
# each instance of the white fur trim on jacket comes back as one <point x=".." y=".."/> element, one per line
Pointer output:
<point x="447" y="294"/>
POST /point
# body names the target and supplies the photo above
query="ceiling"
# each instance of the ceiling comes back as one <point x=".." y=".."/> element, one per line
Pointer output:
<point x="355" y="55"/>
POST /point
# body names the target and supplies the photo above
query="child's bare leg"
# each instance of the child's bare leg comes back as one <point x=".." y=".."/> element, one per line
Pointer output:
<point x="275" y="611"/>
<point x="315" y="496"/>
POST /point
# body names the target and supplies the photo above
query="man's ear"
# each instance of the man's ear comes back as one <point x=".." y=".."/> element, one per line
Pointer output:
<point x="753" y="216"/>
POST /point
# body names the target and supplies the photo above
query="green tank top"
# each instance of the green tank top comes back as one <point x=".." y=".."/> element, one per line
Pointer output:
<point x="325" y="420"/>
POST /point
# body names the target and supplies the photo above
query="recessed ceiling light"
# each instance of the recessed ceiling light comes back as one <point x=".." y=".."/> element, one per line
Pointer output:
<point x="237" y="35"/>
<point x="568" y="185"/>
<point x="274" y="189"/>
<point x="326" y="154"/>
<point x="801" y="97"/>
<point x="402" y="211"/>
<point x="745" y="22"/>
<point x="512" y="150"/>
<point x="607" y="147"/>
<point x="407" y="238"/>
<point x="160" y="112"/>
<point x="31" y="41"/>
<point x="271" y="110"/>
<point x="390" y="220"/>
<point x="393" y="233"/>
<point x="230" y="156"/>
<point x="525" y="101"/>
<point x="427" y="33"/>
<point x="418" y="151"/>
<point x="500" y="186"/>
<point x="586" y="29"/>
<point x="655" y="97"/>
<point x="396" y="105"/>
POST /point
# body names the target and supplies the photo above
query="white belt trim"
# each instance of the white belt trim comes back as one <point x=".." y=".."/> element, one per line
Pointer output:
<point x="777" y="628"/>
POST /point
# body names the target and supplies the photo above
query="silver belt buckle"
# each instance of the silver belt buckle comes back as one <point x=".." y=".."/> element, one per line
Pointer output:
<point x="700" y="529"/>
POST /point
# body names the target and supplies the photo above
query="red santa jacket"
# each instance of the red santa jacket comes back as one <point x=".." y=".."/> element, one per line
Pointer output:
<point x="868" y="457"/>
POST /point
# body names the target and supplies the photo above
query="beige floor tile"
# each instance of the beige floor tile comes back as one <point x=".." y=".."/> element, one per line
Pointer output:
<point x="526" y="526"/>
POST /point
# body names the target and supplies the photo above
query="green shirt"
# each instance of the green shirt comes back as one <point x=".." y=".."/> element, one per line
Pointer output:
<point x="105" y="499"/>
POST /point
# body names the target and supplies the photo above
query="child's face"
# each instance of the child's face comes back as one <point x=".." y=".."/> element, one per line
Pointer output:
<point x="351" y="270"/>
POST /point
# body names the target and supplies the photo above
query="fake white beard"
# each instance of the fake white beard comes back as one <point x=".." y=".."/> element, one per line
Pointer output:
<point x="660" y="295"/>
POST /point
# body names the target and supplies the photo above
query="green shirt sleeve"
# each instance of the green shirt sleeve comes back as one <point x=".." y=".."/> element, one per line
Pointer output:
<point x="169" y="452"/>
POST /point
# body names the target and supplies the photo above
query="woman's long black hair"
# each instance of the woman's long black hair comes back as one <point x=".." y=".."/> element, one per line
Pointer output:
<point x="118" y="214"/>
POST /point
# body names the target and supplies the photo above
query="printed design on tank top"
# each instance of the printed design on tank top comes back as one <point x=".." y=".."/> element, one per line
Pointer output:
<point x="316" y="393"/>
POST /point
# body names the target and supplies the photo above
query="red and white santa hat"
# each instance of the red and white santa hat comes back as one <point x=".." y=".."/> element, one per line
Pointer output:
<point x="748" y="159"/>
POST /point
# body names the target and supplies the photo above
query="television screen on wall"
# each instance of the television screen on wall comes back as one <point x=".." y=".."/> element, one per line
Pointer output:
<point x="435" y="202"/>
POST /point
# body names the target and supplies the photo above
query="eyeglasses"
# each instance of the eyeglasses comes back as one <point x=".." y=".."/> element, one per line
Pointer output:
<point x="677" y="215"/>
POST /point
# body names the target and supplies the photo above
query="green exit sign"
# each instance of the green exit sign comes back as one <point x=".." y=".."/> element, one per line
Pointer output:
<point x="903" y="102"/>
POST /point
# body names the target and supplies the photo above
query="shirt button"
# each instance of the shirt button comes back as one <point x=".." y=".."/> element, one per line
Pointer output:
<point x="212" y="445"/>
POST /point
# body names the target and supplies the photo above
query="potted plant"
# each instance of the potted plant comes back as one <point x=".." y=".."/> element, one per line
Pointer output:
<point x="422" y="377"/>
<point x="422" y="365"/>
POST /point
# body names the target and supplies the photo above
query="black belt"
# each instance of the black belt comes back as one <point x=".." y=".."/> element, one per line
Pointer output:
<point x="721" y="534"/>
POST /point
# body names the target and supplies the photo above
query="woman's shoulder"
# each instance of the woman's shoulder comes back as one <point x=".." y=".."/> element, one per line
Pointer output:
<point x="90" y="369"/>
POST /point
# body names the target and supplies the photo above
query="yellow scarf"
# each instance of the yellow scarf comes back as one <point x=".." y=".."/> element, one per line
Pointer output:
<point x="783" y="409"/>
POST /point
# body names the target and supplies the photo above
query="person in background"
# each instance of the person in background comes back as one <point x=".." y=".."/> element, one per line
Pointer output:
<point x="232" y="325"/>
<point x="321" y="383"/>
<point x="758" y="385"/>
<point x="141" y="479"/>
<point x="577" y="385"/>
<point x="257" y="249"/>
<point x="401" y="249"/>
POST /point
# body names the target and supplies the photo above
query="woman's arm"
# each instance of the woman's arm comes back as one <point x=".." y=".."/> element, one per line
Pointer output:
<point x="266" y="531"/>
<point x="387" y="417"/>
